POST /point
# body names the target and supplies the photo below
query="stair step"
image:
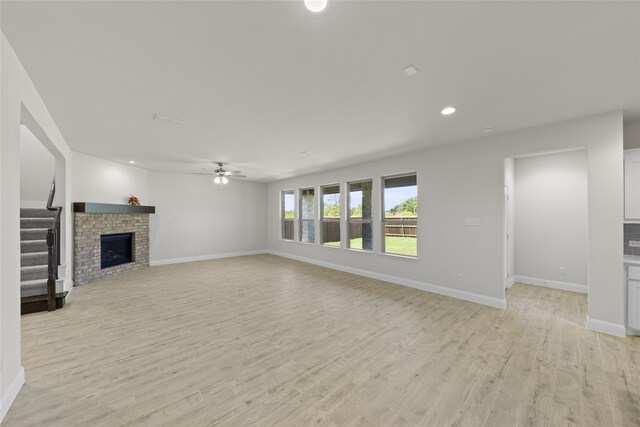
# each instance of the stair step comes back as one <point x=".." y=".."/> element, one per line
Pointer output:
<point x="33" y="258"/>
<point x="34" y="272"/>
<point x="33" y="234"/>
<point x="36" y="303"/>
<point x="33" y="246"/>
<point x="30" y="288"/>
<point x="26" y="223"/>
<point x="37" y="213"/>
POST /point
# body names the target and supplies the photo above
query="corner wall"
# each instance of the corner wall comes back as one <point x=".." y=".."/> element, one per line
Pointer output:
<point x="632" y="135"/>
<point x="98" y="180"/>
<point x="467" y="180"/>
<point x="37" y="167"/>
<point x="195" y="221"/>
<point x="19" y="99"/>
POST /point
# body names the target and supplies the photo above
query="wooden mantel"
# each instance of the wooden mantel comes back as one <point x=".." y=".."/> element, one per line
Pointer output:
<point x="107" y="208"/>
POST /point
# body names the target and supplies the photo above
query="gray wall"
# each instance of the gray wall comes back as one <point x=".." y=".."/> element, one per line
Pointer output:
<point x="103" y="181"/>
<point x="37" y="166"/>
<point x="194" y="219"/>
<point x="551" y="217"/>
<point x="632" y="134"/>
<point x="467" y="180"/>
<point x="21" y="103"/>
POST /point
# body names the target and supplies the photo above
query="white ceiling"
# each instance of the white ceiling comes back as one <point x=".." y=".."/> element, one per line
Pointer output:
<point x="256" y="83"/>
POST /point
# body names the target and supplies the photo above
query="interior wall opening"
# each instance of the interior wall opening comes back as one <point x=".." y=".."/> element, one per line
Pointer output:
<point x="546" y="221"/>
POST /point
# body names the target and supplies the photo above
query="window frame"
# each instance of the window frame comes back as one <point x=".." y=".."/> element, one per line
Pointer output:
<point x="361" y="221"/>
<point x="283" y="218"/>
<point x="322" y="219"/>
<point x="302" y="221"/>
<point x="383" y="216"/>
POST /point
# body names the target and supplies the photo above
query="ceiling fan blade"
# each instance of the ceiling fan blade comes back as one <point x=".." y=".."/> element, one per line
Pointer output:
<point x="202" y="173"/>
<point x="232" y="172"/>
<point x="238" y="176"/>
<point x="206" y="170"/>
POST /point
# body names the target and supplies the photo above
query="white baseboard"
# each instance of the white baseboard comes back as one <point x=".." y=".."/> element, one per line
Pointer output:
<point x="606" y="327"/>
<point x="455" y="293"/>
<point x="554" y="284"/>
<point x="511" y="281"/>
<point x="633" y="332"/>
<point x="204" y="257"/>
<point x="12" y="392"/>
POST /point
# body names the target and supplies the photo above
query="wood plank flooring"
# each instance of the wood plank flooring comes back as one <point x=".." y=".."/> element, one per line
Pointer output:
<point x="268" y="341"/>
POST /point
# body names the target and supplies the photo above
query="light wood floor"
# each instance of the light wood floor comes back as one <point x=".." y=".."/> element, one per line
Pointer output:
<point x="264" y="340"/>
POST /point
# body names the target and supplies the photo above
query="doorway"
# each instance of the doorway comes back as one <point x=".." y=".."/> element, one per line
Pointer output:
<point x="546" y="221"/>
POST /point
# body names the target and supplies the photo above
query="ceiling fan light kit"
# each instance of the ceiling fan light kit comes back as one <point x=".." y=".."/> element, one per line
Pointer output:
<point x="220" y="175"/>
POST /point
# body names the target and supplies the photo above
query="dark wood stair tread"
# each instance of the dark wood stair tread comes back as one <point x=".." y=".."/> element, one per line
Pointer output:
<point x="36" y="303"/>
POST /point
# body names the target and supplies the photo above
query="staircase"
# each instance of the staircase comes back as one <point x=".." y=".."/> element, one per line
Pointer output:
<point x="33" y="260"/>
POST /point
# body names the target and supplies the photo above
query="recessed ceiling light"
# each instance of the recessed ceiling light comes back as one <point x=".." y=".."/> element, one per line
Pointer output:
<point x="448" y="111"/>
<point x="411" y="70"/>
<point x="132" y="162"/>
<point x="315" y="5"/>
<point x="487" y="129"/>
<point x="305" y="154"/>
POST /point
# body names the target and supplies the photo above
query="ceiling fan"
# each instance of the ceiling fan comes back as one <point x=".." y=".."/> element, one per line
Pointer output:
<point x="221" y="175"/>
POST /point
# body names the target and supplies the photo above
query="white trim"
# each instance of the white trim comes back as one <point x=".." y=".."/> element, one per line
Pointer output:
<point x="11" y="393"/>
<point x="631" y="152"/>
<point x="204" y="257"/>
<point x="554" y="284"/>
<point x="450" y="292"/>
<point x="510" y="281"/>
<point x="606" y="327"/>
<point x="633" y="332"/>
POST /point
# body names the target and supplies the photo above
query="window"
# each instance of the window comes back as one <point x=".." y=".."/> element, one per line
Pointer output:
<point x="287" y="214"/>
<point x="307" y="216"/>
<point x="330" y="220"/>
<point x="400" y="207"/>
<point x="359" y="215"/>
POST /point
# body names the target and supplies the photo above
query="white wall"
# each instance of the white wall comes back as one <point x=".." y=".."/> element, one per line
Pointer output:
<point x="467" y="180"/>
<point x="37" y="166"/>
<point x="632" y="134"/>
<point x="551" y="214"/>
<point x="103" y="181"/>
<point x="20" y="103"/>
<point x="194" y="220"/>
<point x="510" y="248"/>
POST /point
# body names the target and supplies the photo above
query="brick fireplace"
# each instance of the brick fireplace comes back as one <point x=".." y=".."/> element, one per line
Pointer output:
<point x="97" y="223"/>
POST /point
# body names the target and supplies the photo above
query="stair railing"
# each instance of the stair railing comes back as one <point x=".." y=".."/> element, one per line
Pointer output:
<point x="53" y="249"/>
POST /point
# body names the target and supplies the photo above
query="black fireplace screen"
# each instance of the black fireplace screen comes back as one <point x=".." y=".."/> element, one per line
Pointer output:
<point x="116" y="249"/>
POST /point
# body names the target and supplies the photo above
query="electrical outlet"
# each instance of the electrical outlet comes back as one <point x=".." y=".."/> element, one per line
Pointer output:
<point x="472" y="221"/>
<point x="563" y="271"/>
<point x="634" y="243"/>
<point x="460" y="277"/>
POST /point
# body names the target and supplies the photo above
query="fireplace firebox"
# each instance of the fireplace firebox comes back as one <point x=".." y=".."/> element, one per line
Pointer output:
<point x="116" y="249"/>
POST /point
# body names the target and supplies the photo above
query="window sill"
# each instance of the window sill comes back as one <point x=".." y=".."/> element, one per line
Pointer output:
<point x="287" y="240"/>
<point x="360" y="250"/>
<point x="407" y="257"/>
<point x="330" y="246"/>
